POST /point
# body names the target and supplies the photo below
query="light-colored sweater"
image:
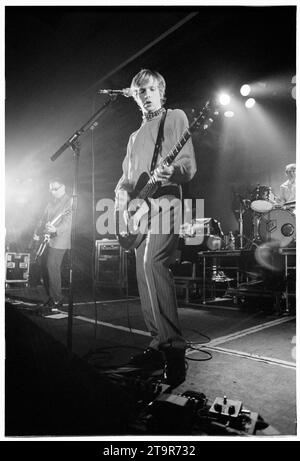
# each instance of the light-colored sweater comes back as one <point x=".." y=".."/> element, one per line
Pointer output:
<point x="141" y="145"/>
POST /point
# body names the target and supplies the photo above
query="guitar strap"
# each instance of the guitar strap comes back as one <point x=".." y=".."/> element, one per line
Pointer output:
<point x="159" y="140"/>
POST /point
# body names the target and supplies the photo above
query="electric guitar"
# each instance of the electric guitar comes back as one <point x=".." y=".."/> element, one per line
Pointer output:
<point x="127" y="234"/>
<point x="47" y="236"/>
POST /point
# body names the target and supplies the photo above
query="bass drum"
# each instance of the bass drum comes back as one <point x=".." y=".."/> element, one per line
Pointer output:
<point x="278" y="225"/>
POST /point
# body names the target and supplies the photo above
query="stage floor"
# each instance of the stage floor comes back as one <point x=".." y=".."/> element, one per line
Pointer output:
<point x="244" y="353"/>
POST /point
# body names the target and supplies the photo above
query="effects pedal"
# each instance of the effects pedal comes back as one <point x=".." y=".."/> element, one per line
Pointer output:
<point x="232" y="416"/>
<point x="226" y="407"/>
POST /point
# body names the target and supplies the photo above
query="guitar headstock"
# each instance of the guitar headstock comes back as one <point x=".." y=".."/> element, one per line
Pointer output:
<point x="205" y="117"/>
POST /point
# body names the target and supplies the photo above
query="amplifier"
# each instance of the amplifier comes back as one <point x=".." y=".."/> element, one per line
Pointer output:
<point x="113" y="265"/>
<point x="109" y="268"/>
<point x="17" y="268"/>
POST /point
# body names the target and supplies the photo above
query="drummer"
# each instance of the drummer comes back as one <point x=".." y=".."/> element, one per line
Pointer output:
<point x="288" y="188"/>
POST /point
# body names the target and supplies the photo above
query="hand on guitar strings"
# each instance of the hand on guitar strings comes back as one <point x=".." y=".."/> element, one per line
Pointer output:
<point x="164" y="174"/>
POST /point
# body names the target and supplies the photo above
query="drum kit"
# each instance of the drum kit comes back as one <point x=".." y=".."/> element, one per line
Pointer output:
<point x="271" y="221"/>
<point x="268" y="221"/>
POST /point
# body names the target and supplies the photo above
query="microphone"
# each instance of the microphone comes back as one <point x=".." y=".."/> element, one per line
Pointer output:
<point x="127" y="92"/>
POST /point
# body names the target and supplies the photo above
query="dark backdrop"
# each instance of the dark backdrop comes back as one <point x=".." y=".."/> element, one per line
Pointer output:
<point x="58" y="57"/>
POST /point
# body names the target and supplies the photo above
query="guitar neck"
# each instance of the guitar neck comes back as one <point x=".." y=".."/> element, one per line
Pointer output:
<point x="176" y="149"/>
<point x="151" y="185"/>
<point x="63" y="213"/>
<point x="56" y="219"/>
<point x="202" y="120"/>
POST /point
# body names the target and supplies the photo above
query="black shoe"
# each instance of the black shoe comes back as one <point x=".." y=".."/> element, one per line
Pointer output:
<point x="57" y="305"/>
<point x="41" y="307"/>
<point x="175" y="369"/>
<point x="52" y="308"/>
<point x="47" y="303"/>
<point x="148" y="358"/>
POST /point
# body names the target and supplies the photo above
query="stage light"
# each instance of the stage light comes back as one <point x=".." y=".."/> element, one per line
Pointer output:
<point x="224" y="99"/>
<point x="250" y="103"/>
<point x="245" y="90"/>
<point x="229" y="113"/>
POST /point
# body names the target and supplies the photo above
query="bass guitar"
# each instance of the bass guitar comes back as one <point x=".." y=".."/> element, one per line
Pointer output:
<point x="47" y="236"/>
<point x="128" y="236"/>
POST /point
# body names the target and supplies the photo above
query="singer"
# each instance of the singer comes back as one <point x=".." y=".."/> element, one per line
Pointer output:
<point x="157" y="251"/>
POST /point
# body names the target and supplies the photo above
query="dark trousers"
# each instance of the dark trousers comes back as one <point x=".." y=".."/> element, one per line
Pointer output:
<point x="51" y="272"/>
<point x="157" y="289"/>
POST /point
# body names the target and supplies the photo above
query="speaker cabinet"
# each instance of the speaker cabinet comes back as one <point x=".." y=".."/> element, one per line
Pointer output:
<point x="17" y="268"/>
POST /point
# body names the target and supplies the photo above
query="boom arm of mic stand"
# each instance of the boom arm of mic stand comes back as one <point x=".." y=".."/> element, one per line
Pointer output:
<point x="83" y="129"/>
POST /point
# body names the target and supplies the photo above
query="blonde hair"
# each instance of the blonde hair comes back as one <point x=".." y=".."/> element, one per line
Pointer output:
<point x="144" y="76"/>
<point x="290" y="167"/>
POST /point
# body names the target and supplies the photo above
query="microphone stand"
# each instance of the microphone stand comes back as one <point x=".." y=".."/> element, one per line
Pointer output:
<point x="241" y="224"/>
<point x="73" y="143"/>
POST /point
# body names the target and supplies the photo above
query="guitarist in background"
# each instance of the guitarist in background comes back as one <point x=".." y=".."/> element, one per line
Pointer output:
<point x="157" y="251"/>
<point x="59" y="243"/>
